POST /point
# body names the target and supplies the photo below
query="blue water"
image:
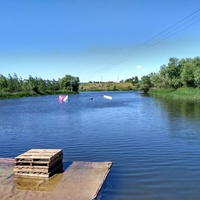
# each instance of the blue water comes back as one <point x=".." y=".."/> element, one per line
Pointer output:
<point x="154" y="144"/>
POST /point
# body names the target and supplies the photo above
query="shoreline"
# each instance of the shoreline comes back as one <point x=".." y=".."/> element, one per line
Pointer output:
<point x="15" y="95"/>
<point x="189" y="94"/>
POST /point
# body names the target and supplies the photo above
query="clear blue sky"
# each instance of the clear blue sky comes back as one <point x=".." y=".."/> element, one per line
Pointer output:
<point x="96" y="40"/>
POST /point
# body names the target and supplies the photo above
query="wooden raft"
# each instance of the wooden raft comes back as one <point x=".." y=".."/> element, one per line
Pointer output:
<point x="82" y="180"/>
<point x="40" y="163"/>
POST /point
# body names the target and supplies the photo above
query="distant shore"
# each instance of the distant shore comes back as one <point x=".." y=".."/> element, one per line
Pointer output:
<point x="106" y="86"/>
<point x="8" y="95"/>
<point x="192" y="94"/>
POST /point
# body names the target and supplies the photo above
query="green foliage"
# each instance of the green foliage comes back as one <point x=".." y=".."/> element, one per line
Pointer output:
<point x="197" y="77"/>
<point x="13" y="86"/>
<point x="3" y="82"/>
<point x="177" y="74"/>
<point x="133" y="80"/>
<point x="69" y="83"/>
<point x="187" y="75"/>
<point x="145" y="84"/>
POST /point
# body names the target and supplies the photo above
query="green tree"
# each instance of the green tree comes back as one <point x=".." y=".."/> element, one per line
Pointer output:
<point x="197" y="77"/>
<point x="145" y="84"/>
<point x="173" y="73"/>
<point x="187" y="75"/>
<point x="69" y="83"/>
<point x="32" y="84"/>
<point x="75" y="84"/>
<point x="3" y="82"/>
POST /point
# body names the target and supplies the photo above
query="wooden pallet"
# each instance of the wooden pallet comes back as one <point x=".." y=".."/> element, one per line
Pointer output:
<point x="38" y="162"/>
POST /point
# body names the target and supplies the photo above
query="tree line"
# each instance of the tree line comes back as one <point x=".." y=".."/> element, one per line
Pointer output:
<point x="176" y="74"/>
<point x="15" y="84"/>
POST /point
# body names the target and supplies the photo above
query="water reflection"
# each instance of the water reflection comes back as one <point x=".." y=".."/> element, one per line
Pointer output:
<point x="183" y="118"/>
<point x="186" y="109"/>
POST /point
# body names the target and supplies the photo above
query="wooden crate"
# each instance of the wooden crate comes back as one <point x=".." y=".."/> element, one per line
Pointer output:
<point x="38" y="162"/>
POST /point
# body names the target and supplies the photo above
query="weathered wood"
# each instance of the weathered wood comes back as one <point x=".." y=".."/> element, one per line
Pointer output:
<point x="41" y="154"/>
<point x="43" y="169"/>
<point x="38" y="173"/>
<point x="7" y="160"/>
<point x="82" y="180"/>
<point x="38" y="162"/>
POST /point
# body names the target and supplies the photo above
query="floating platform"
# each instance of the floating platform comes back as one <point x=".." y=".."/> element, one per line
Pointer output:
<point x="82" y="180"/>
<point x="40" y="163"/>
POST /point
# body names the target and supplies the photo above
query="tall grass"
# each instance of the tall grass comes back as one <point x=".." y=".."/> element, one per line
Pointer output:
<point x="181" y="93"/>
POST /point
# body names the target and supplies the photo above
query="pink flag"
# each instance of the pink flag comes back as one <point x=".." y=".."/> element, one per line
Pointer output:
<point x="61" y="98"/>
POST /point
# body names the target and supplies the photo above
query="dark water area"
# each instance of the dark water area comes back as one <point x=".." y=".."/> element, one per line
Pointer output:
<point x="154" y="143"/>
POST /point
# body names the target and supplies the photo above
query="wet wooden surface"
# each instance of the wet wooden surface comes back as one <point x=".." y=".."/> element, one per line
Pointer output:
<point x="81" y="180"/>
<point x="7" y="161"/>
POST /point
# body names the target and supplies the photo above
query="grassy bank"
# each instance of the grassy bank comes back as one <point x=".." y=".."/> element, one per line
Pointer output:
<point x="106" y="86"/>
<point x="192" y="94"/>
<point x="7" y="95"/>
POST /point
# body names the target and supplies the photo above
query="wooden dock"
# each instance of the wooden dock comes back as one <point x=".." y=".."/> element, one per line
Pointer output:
<point x="81" y="180"/>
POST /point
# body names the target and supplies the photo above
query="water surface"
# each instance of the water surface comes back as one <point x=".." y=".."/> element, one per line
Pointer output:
<point x="154" y="144"/>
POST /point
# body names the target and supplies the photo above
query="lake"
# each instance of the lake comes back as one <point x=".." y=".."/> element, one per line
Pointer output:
<point x="154" y="143"/>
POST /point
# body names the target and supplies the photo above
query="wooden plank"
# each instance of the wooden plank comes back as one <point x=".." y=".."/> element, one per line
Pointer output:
<point x="30" y="169"/>
<point x="56" y="160"/>
<point x="36" y="168"/>
<point x="40" y="154"/>
<point x="39" y="173"/>
<point x="38" y="162"/>
<point x="34" y="155"/>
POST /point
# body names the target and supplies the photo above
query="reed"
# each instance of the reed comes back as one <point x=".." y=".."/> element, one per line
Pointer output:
<point x="181" y="93"/>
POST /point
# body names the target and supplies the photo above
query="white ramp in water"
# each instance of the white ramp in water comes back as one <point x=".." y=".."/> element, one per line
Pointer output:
<point x="107" y="97"/>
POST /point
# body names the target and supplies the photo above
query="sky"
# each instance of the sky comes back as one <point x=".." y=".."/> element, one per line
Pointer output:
<point x="95" y="40"/>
